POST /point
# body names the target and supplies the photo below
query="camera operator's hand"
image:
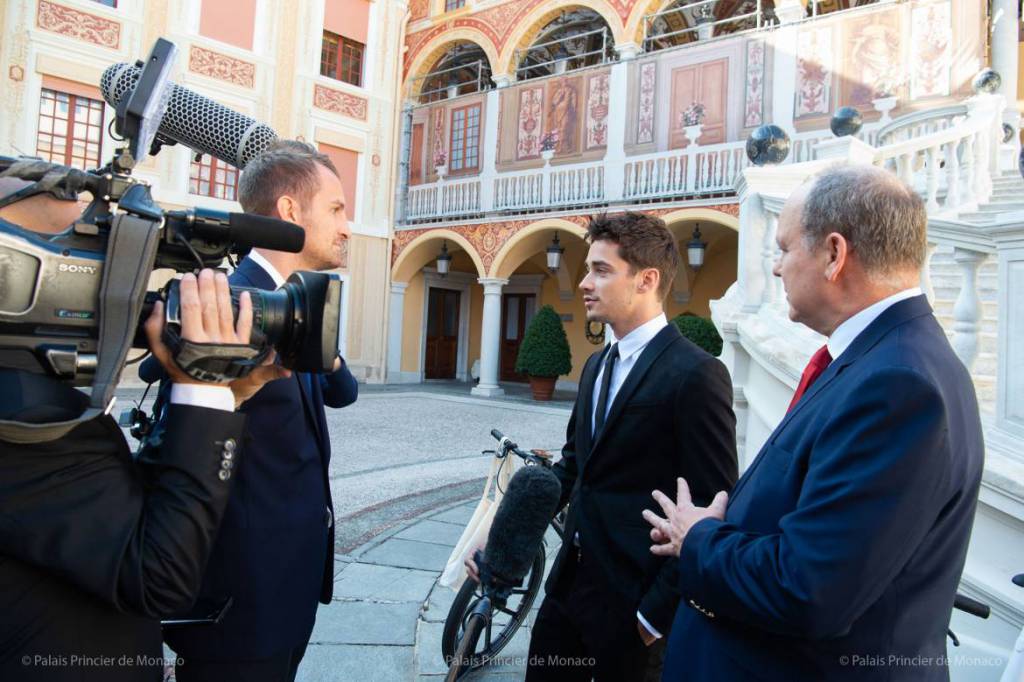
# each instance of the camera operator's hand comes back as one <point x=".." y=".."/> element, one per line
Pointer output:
<point x="206" y="317"/>
<point x="251" y="383"/>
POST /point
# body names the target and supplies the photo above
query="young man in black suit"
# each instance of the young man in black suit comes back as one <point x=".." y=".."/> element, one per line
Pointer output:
<point x="651" y="405"/>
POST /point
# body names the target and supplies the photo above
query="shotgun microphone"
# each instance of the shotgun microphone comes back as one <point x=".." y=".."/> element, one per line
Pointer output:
<point x="195" y="121"/>
<point x="518" y="528"/>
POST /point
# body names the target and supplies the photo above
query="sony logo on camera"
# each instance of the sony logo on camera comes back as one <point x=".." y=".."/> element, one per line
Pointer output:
<point x="74" y="268"/>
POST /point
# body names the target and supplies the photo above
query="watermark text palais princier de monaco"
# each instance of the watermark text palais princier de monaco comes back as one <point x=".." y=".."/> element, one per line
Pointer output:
<point x="97" y="661"/>
<point x="897" y="661"/>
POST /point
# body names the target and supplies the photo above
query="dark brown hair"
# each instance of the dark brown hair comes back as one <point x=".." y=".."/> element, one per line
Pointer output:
<point x="286" y="167"/>
<point x="644" y="242"/>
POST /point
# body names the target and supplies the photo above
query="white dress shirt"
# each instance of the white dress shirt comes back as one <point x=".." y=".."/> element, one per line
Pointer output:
<point x="630" y="347"/>
<point x="219" y="397"/>
<point x="848" y="331"/>
<point x="259" y="259"/>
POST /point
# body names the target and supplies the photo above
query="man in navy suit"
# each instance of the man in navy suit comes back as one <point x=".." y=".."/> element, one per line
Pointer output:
<point x="274" y="555"/>
<point x="839" y="551"/>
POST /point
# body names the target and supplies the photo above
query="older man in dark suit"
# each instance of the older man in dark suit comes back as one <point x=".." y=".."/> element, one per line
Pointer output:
<point x="839" y="553"/>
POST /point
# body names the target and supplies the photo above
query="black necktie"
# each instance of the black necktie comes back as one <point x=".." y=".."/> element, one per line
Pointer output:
<point x="606" y="382"/>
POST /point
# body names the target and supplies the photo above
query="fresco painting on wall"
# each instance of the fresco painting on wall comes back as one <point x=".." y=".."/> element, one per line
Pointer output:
<point x="931" y="40"/>
<point x="814" y="71"/>
<point x="753" y="110"/>
<point x="563" y="114"/>
<point x="873" y="60"/>
<point x="439" y="139"/>
<point x="645" y="111"/>
<point x="597" y="111"/>
<point x="530" y="109"/>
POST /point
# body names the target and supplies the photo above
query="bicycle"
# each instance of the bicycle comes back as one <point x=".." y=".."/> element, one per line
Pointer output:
<point x="1014" y="671"/>
<point x="505" y="619"/>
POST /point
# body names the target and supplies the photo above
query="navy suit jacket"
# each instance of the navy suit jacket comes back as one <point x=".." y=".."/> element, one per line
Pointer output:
<point x="274" y="554"/>
<point x="843" y="542"/>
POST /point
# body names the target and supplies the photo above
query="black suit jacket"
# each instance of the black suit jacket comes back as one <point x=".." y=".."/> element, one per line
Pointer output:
<point x="275" y="553"/>
<point x="672" y="417"/>
<point x="95" y="548"/>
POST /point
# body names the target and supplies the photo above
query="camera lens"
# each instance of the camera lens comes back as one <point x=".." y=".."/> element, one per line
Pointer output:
<point x="300" y="319"/>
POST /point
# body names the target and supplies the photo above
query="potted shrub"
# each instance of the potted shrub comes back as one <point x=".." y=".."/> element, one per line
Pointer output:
<point x="701" y="331"/>
<point x="544" y="354"/>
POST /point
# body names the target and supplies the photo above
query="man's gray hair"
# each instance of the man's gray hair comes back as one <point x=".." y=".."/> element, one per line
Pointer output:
<point x="882" y="219"/>
<point x="286" y="167"/>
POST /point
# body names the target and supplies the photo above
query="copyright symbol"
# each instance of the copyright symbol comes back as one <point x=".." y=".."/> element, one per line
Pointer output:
<point x="844" y="660"/>
<point x="25" y="660"/>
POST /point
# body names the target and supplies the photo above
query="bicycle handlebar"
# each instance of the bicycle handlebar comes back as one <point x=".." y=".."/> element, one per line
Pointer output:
<point x="507" y="445"/>
<point x="971" y="606"/>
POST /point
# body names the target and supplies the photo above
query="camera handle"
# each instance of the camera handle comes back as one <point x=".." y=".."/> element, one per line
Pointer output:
<point x="131" y="253"/>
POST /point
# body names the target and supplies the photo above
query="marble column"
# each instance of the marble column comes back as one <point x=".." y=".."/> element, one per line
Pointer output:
<point x="395" y="315"/>
<point x="615" y="156"/>
<point x="490" y="339"/>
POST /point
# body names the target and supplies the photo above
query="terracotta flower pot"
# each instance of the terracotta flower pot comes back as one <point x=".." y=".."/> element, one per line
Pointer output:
<point x="543" y="387"/>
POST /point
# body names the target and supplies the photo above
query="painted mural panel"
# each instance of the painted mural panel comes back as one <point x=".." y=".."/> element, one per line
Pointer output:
<point x="597" y="112"/>
<point x="645" y="111"/>
<point x="873" y="63"/>
<point x="931" y="41"/>
<point x="814" y="71"/>
<point x="753" y="96"/>
<point x="531" y="101"/>
<point x="562" y="114"/>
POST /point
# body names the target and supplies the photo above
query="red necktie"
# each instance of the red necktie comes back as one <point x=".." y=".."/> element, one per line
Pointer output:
<point x="818" y="364"/>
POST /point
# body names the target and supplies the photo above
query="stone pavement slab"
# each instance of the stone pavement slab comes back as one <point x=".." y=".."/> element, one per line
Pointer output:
<point x="432" y="531"/>
<point x="408" y="554"/>
<point x="366" y="622"/>
<point x="382" y="583"/>
<point x="459" y="515"/>
<point x="344" y="663"/>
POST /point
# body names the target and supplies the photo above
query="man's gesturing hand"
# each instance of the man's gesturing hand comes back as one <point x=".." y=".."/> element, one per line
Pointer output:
<point x="206" y="317"/>
<point x="680" y="517"/>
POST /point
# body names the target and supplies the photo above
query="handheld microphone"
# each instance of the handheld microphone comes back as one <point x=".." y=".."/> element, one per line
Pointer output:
<point x="195" y="121"/>
<point x="518" y="528"/>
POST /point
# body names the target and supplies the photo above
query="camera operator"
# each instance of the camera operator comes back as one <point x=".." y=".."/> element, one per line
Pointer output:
<point x="94" y="547"/>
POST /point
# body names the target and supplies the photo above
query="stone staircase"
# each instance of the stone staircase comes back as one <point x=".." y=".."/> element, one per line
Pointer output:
<point x="1007" y="195"/>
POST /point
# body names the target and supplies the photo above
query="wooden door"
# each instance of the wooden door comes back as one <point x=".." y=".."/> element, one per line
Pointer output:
<point x="516" y="312"/>
<point x="707" y="83"/>
<point x="442" y="333"/>
<point x="416" y="155"/>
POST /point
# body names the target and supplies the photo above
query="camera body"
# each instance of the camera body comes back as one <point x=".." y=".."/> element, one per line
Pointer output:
<point x="72" y="303"/>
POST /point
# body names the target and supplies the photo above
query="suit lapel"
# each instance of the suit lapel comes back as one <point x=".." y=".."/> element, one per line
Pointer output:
<point x="890" y="318"/>
<point x="585" y="400"/>
<point x="654" y="349"/>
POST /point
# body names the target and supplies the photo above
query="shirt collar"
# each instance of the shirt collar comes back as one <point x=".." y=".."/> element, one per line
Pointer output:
<point x="848" y="331"/>
<point x="258" y="258"/>
<point x="637" y="340"/>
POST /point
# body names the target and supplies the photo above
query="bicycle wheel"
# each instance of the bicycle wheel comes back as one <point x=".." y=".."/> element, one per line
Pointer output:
<point x="504" y="621"/>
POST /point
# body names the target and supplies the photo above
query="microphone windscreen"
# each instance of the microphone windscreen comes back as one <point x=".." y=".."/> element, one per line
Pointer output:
<point x="195" y="121"/>
<point x="249" y="230"/>
<point x="518" y="528"/>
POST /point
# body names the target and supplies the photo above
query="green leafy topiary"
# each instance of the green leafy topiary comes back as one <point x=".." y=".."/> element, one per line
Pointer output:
<point x="701" y="331"/>
<point x="545" y="348"/>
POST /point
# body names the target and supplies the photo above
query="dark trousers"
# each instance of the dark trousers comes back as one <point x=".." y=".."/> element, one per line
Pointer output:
<point x="580" y="635"/>
<point x="279" y="668"/>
